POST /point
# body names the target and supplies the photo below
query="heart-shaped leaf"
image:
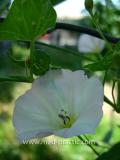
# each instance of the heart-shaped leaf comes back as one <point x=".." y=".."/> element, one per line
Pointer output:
<point x="27" y="20"/>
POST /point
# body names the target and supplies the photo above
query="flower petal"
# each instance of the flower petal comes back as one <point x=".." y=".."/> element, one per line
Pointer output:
<point x="81" y="126"/>
<point x="90" y="99"/>
<point x="67" y="86"/>
<point x="87" y="105"/>
<point x="74" y="131"/>
<point x="29" y="119"/>
<point x="36" y="112"/>
<point x="87" y="43"/>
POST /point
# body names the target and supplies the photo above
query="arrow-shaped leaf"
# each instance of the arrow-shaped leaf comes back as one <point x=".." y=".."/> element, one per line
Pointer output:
<point x="27" y="20"/>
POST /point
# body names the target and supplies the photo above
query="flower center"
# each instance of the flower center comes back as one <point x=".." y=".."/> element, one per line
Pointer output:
<point x="67" y="120"/>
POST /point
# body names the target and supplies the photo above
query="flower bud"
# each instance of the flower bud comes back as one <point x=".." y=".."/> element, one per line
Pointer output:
<point x="89" y="5"/>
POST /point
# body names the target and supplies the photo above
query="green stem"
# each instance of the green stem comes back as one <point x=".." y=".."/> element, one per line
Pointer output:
<point x="113" y="87"/>
<point x="89" y="145"/>
<point x="97" y="144"/>
<point x="86" y="30"/>
<point x="15" y="79"/>
<point x="118" y="93"/>
<point x="99" y="30"/>
<point x="113" y="105"/>
<point x="105" y="76"/>
<point x="32" y="47"/>
<point x="109" y="102"/>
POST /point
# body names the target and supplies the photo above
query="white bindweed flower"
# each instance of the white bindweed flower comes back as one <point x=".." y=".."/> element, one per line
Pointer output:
<point x="87" y="43"/>
<point x="61" y="103"/>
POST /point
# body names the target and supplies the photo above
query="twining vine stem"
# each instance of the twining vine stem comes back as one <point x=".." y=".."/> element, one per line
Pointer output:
<point x="81" y="29"/>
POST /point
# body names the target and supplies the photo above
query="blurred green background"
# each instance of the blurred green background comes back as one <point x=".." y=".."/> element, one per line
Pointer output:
<point x="107" y="134"/>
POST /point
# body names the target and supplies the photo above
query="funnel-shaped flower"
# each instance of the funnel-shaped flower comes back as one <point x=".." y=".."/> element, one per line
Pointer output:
<point x="62" y="103"/>
<point x="87" y="43"/>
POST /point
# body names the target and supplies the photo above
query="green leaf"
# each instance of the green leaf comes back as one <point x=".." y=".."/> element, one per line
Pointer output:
<point x="108" y="136"/>
<point x="41" y="62"/>
<point x="27" y="20"/>
<point x="115" y="67"/>
<point x="55" y="2"/>
<point x="62" y="58"/>
<point x="100" y="65"/>
<point x="112" y="154"/>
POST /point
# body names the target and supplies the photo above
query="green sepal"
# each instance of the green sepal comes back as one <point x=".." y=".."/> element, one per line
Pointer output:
<point x="41" y="62"/>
